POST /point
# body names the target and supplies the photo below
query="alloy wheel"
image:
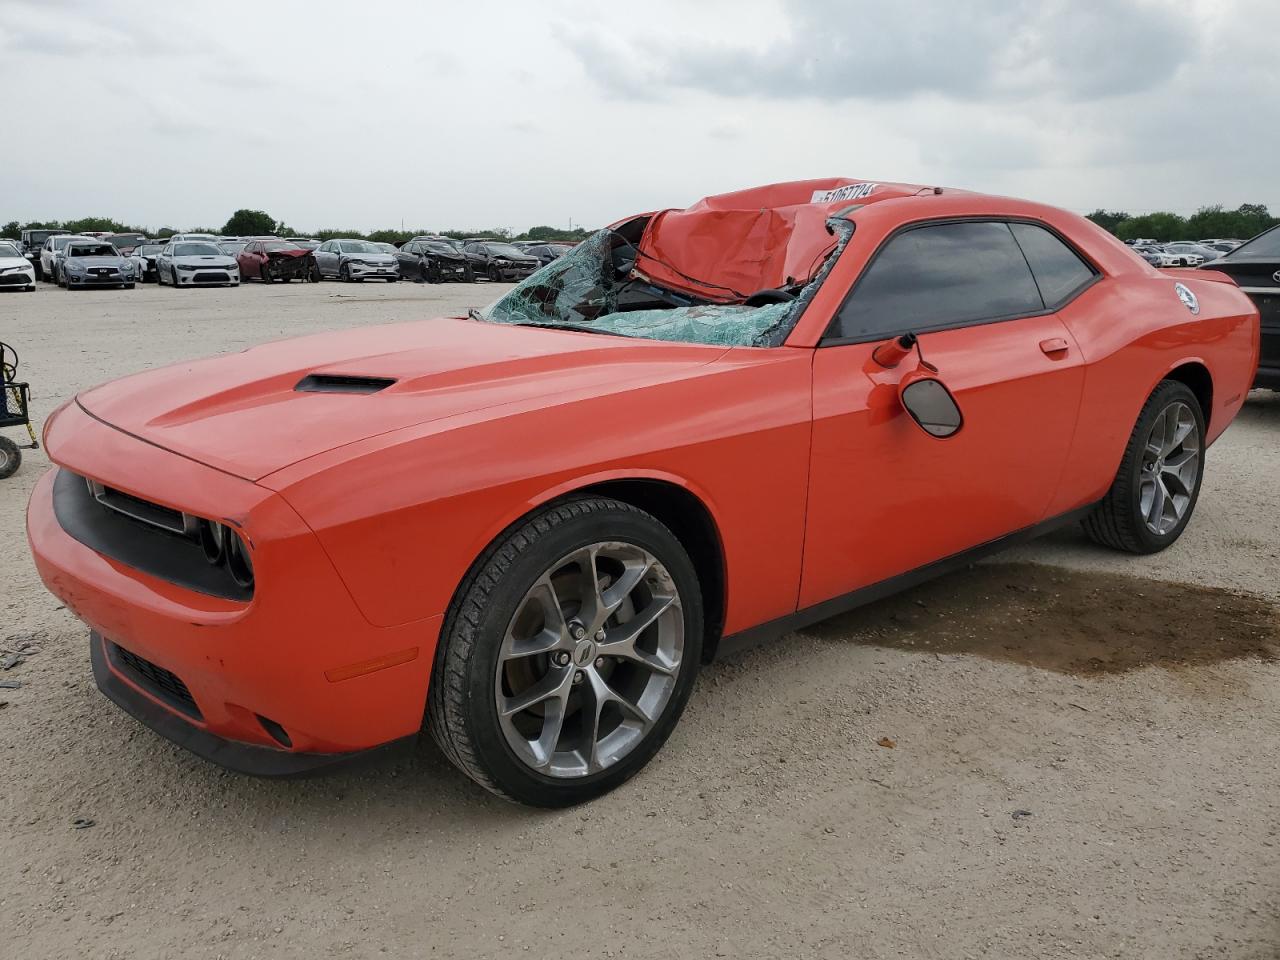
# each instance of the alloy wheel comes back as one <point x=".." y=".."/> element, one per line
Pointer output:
<point x="1170" y="469"/>
<point x="589" y="660"/>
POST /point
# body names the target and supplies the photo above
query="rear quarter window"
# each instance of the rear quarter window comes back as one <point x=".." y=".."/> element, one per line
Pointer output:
<point x="1058" y="270"/>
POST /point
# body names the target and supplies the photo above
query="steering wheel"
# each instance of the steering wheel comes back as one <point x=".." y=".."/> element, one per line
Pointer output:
<point x="8" y="363"/>
<point x="762" y="298"/>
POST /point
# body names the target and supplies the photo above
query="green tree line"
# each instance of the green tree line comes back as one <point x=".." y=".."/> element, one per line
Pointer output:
<point x="249" y="223"/>
<point x="1247" y="220"/>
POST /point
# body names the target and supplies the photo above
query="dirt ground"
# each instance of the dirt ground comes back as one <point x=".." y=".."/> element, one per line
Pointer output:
<point x="1062" y="753"/>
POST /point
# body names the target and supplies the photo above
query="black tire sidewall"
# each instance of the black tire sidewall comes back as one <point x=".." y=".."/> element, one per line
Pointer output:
<point x="1168" y="392"/>
<point x="10" y="458"/>
<point x="495" y="754"/>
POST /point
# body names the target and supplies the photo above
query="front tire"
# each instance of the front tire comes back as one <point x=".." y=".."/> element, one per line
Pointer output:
<point x="1156" y="488"/>
<point x="568" y="653"/>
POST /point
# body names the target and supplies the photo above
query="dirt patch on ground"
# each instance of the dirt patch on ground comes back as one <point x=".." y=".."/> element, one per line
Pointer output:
<point x="1072" y="622"/>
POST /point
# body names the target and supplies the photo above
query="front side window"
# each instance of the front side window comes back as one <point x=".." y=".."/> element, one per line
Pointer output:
<point x="939" y="275"/>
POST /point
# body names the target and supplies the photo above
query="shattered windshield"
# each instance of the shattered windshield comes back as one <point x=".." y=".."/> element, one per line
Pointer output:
<point x="592" y="287"/>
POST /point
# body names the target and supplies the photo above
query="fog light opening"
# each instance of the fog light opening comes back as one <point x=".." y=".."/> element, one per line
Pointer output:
<point x="275" y="731"/>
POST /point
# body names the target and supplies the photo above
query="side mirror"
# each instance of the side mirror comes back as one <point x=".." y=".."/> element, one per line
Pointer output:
<point x="931" y="406"/>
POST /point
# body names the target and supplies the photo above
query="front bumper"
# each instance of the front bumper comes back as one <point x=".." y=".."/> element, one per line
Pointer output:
<point x="361" y="271"/>
<point x="298" y="659"/>
<point x="247" y="758"/>
<point x="19" y="278"/>
<point x="99" y="279"/>
<point x="515" y="272"/>
<point x="208" y="277"/>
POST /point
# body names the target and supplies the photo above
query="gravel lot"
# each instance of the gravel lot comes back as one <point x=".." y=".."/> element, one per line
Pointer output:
<point x="1036" y="757"/>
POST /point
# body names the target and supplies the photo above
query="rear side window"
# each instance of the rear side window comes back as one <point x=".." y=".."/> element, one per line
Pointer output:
<point x="1058" y="269"/>
<point x="940" y="275"/>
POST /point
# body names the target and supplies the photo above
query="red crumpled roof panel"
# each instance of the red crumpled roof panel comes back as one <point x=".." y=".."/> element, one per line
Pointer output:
<point x="729" y="246"/>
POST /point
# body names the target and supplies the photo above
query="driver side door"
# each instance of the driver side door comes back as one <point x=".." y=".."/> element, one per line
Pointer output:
<point x="886" y="498"/>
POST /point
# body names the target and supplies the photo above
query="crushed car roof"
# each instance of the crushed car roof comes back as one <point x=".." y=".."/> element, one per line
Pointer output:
<point x="728" y="246"/>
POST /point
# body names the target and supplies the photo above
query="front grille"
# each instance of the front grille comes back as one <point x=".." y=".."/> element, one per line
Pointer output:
<point x="17" y="279"/>
<point x="146" y="536"/>
<point x="104" y="271"/>
<point x="208" y="277"/>
<point x="157" y="681"/>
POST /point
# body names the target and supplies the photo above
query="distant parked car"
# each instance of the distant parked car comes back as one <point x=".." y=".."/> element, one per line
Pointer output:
<point x="1255" y="267"/>
<point x="306" y="243"/>
<point x="272" y="260"/>
<point x="51" y="253"/>
<point x="1192" y="249"/>
<point x="499" y="260"/>
<point x="126" y="242"/>
<point x="144" y="260"/>
<point x="195" y="236"/>
<point x="545" y="252"/>
<point x="1223" y="242"/>
<point x="196" y="263"/>
<point x="355" y="260"/>
<point x="16" y="271"/>
<point x="31" y="241"/>
<point x="89" y="262"/>
<point x="1156" y="256"/>
<point x="232" y="248"/>
<point x="433" y="261"/>
<point x="1166" y="256"/>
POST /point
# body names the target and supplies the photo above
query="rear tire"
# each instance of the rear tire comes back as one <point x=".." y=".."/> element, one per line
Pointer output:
<point x="1154" y="492"/>
<point x="10" y="458"/>
<point x="472" y="680"/>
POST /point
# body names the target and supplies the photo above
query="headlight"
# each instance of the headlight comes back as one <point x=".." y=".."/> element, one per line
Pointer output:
<point x="73" y="268"/>
<point x="224" y="547"/>
<point x="185" y="266"/>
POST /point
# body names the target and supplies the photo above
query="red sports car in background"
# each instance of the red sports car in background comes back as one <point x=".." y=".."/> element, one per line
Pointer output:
<point x="272" y="260"/>
<point x="527" y="528"/>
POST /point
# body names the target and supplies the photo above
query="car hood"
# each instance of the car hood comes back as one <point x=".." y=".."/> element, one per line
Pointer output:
<point x="116" y="261"/>
<point x="384" y="259"/>
<point x="7" y="262"/>
<point x="244" y="414"/>
<point x="205" y="260"/>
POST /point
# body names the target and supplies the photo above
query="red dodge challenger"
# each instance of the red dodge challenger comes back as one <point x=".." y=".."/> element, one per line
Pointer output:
<point x="527" y="528"/>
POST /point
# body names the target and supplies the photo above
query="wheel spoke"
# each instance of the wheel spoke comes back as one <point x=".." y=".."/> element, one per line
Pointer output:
<point x="1181" y="432"/>
<point x="556" y="682"/>
<point x="1182" y="471"/>
<point x="620" y="641"/>
<point x="1155" y="512"/>
<point x="555" y="631"/>
<point x="633" y="572"/>
<point x="1155" y="442"/>
<point x="601" y="695"/>
<point x="590" y="612"/>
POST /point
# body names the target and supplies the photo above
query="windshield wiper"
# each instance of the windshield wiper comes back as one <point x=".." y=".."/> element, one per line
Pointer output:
<point x="474" y="314"/>
<point x="577" y="327"/>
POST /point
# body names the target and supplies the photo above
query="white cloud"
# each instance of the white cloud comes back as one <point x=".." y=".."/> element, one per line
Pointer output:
<point x="516" y="114"/>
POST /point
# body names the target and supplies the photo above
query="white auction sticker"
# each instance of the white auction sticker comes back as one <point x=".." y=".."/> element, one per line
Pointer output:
<point x="852" y="191"/>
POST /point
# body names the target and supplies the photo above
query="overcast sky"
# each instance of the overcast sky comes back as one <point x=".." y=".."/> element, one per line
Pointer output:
<point x="488" y="114"/>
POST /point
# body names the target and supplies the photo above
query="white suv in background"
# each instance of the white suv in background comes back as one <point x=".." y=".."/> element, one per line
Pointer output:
<point x="52" y="251"/>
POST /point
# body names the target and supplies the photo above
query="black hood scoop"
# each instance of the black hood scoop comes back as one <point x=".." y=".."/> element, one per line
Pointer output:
<point x="341" y="383"/>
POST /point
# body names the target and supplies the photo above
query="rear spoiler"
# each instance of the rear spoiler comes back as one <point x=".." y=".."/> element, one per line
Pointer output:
<point x="1185" y="273"/>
